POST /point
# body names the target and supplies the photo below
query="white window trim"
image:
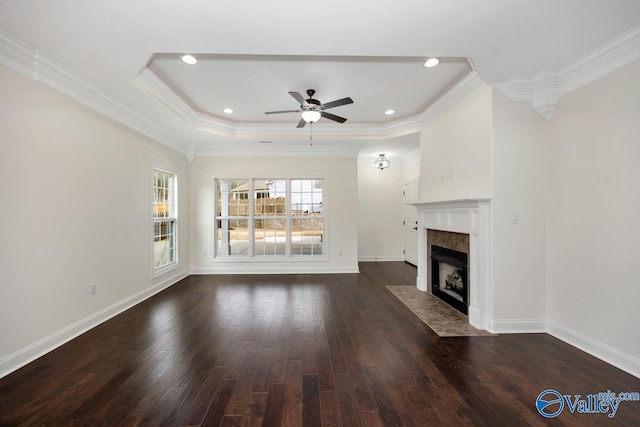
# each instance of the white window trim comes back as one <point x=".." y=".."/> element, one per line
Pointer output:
<point x="173" y="265"/>
<point x="251" y="257"/>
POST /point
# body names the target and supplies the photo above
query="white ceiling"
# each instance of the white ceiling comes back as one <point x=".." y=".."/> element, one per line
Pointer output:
<point x="253" y="84"/>
<point x="253" y="52"/>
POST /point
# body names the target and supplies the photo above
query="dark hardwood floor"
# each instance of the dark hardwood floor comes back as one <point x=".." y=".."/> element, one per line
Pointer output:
<point x="300" y="350"/>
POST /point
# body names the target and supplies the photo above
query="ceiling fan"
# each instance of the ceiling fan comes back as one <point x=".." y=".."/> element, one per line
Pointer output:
<point x="312" y="109"/>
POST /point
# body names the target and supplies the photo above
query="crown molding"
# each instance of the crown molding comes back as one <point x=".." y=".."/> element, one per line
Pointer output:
<point x="310" y="150"/>
<point x="154" y="87"/>
<point x="33" y="64"/>
<point x="453" y="95"/>
<point x="545" y="87"/>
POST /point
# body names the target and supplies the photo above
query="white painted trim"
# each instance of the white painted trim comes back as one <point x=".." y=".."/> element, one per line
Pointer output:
<point x="517" y="326"/>
<point x="28" y="354"/>
<point x="152" y="86"/>
<point x="545" y="87"/>
<point x="21" y="58"/>
<point x="617" y="358"/>
<point x="452" y="96"/>
<point x="472" y="217"/>
<point x="155" y="88"/>
<point x="29" y="62"/>
<point x="267" y="150"/>
<point x="380" y="258"/>
<point x="241" y="268"/>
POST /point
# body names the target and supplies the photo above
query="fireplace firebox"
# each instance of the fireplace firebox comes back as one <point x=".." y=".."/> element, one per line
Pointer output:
<point x="449" y="277"/>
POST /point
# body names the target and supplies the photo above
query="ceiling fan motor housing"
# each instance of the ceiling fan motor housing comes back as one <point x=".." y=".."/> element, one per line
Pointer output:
<point x="313" y="106"/>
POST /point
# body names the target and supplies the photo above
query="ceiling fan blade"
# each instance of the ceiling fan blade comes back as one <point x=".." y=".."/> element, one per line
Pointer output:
<point x="283" y="111"/>
<point x="336" y="103"/>
<point x="301" y="123"/>
<point x="332" y="117"/>
<point x="298" y="98"/>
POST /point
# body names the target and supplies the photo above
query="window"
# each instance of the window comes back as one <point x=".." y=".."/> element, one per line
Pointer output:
<point x="164" y="219"/>
<point x="306" y="221"/>
<point x="265" y="217"/>
<point x="269" y="219"/>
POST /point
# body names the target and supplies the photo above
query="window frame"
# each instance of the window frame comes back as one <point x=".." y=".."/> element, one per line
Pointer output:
<point x="252" y="217"/>
<point x="253" y="253"/>
<point x="171" y="218"/>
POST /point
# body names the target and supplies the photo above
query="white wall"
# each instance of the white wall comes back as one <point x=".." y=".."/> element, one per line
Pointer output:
<point x="340" y="201"/>
<point x="570" y="264"/>
<point x="518" y="208"/>
<point x="455" y="150"/>
<point x="380" y="213"/>
<point x="411" y="168"/>
<point x="594" y="209"/>
<point x="76" y="209"/>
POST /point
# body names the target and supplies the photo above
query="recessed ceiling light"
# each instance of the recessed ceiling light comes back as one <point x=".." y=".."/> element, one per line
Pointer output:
<point x="265" y="142"/>
<point x="189" y="59"/>
<point x="228" y="110"/>
<point x="390" y="112"/>
<point x="431" y="62"/>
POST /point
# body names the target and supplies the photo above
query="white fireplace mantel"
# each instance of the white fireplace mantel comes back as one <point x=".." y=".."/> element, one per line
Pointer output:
<point x="469" y="216"/>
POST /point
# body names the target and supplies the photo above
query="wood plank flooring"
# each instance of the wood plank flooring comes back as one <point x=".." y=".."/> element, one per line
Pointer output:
<point x="300" y="350"/>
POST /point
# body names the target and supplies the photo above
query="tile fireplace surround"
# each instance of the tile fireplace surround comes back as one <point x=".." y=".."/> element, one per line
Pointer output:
<point x="470" y="217"/>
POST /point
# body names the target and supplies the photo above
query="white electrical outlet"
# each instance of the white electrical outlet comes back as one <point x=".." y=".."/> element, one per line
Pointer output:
<point x="93" y="288"/>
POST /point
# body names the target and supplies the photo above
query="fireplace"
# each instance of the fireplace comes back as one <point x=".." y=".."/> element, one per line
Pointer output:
<point x="449" y="278"/>
<point x="458" y="218"/>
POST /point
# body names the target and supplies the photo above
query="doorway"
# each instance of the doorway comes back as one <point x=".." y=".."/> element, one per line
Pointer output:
<point x="410" y="221"/>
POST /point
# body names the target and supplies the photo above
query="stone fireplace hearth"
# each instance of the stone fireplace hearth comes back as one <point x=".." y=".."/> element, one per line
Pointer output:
<point x="461" y="226"/>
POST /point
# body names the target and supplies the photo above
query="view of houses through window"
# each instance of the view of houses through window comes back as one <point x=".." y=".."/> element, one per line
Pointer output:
<point x="269" y="217"/>
<point x="164" y="219"/>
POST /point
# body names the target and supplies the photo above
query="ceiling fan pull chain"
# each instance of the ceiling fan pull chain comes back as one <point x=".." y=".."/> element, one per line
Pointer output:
<point x="311" y="134"/>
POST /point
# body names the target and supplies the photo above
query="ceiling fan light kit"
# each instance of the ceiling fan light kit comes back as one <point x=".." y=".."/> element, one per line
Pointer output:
<point x="311" y="116"/>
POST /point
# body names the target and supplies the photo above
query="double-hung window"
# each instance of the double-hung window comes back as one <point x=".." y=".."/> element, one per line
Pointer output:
<point x="165" y="221"/>
<point x="306" y="217"/>
<point x="269" y="217"/>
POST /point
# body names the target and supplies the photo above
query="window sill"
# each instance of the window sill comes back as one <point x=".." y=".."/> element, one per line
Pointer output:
<point x="299" y="258"/>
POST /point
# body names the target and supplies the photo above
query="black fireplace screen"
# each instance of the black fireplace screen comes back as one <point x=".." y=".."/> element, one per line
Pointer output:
<point x="449" y="277"/>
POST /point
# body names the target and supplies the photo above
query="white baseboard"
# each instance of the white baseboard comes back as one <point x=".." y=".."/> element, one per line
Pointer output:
<point x="517" y="326"/>
<point x="381" y="258"/>
<point x="475" y="318"/>
<point x="28" y="354"/>
<point x="614" y="357"/>
<point x="242" y="268"/>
